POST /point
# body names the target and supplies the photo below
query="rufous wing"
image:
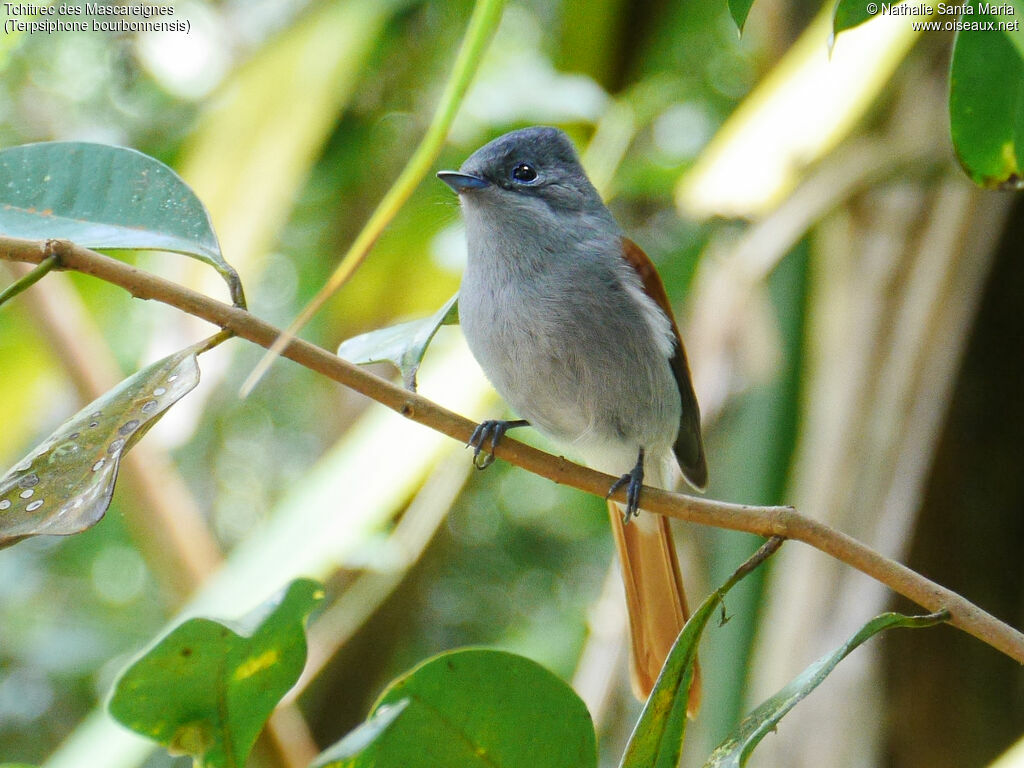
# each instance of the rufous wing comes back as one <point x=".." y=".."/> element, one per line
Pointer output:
<point x="689" y="445"/>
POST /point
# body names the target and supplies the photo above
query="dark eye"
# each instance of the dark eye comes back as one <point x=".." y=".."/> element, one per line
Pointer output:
<point x="525" y="173"/>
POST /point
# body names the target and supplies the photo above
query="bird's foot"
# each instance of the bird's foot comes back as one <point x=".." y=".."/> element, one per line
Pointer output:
<point x="634" y="482"/>
<point x="493" y="429"/>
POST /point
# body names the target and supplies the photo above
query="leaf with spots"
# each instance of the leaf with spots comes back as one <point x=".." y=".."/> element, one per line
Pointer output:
<point x="65" y="485"/>
<point x="207" y="688"/>
<point x="108" y="198"/>
<point x="403" y="345"/>
<point x="736" y="749"/>
<point x="472" y="708"/>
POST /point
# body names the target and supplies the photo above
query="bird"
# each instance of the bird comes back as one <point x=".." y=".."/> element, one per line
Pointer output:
<point x="569" y="320"/>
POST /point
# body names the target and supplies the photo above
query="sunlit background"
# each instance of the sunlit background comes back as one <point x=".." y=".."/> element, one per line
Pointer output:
<point x="849" y="302"/>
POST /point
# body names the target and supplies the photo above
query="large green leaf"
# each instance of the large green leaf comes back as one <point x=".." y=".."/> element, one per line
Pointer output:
<point x="403" y="345"/>
<point x="105" y="197"/>
<point x="734" y="751"/>
<point x="657" y="740"/>
<point x="986" y="105"/>
<point x="64" y="486"/>
<point x="472" y="708"/>
<point x="207" y="688"/>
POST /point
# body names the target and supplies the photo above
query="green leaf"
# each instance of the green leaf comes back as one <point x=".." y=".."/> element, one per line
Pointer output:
<point x="403" y="345"/>
<point x="734" y="751"/>
<point x="986" y="105"/>
<point x="473" y="708"/>
<point x="207" y="688"/>
<point x="850" y="13"/>
<point x="105" y="197"/>
<point x="739" y="9"/>
<point x="657" y="740"/>
<point x="64" y="486"/>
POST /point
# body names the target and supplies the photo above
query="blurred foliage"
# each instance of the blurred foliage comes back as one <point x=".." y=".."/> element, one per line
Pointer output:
<point x="518" y="562"/>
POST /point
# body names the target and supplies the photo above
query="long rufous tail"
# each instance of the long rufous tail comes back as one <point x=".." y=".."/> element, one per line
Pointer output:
<point x="654" y="596"/>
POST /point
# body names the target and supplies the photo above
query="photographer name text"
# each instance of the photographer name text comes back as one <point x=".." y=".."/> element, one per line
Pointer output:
<point x="942" y="9"/>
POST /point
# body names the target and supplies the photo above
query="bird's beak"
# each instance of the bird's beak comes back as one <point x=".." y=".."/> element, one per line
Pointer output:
<point x="462" y="182"/>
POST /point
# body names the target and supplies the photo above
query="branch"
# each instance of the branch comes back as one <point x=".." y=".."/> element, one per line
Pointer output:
<point x="783" y="522"/>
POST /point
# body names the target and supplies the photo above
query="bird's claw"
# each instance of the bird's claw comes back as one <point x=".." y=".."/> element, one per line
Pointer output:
<point x="634" y="482"/>
<point x="492" y="428"/>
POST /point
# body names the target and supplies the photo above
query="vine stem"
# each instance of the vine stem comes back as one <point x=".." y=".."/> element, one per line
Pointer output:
<point x="778" y="521"/>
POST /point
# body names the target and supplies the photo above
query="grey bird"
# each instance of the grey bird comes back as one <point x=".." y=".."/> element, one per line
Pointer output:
<point x="570" y="322"/>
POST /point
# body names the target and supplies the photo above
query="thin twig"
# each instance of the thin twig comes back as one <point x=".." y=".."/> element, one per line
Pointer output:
<point x="29" y="279"/>
<point x="784" y="522"/>
<point x="763" y="552"/>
